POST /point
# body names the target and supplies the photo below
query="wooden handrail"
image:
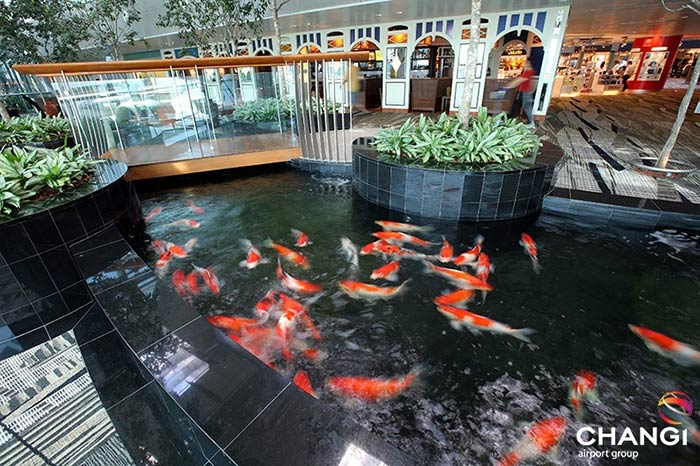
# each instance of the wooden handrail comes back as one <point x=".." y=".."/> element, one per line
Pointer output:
<point x="134" y="66"/>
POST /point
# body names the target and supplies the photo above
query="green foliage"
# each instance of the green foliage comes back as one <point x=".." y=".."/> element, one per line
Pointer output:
<point x="268" y="109"/>
<point x="24" y="130"/>
<point x="40" y="31"/>
<point x="203" y="22"/>
<point x="489" y="143"/>
<point x="24" y="173"/>
<point x="108" y="24"/>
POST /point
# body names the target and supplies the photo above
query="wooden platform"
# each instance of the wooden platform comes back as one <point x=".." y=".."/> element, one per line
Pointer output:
<point x="220" y="162"/>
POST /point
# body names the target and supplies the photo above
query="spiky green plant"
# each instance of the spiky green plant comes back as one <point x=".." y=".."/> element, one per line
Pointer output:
<point x="488" y="143"/>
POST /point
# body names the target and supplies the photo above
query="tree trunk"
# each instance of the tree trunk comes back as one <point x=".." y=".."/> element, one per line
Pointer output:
<point x="682" y="110"/>
<point x="475" y="31"/>
<point x="281" y="71"/>
<point x="3" y="111"/>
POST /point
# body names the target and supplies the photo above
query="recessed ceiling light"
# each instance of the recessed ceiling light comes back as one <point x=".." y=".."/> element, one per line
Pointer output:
<point x="379" y="14"/>
<point x="308" y="24"/>
<point x="399" y="12"/>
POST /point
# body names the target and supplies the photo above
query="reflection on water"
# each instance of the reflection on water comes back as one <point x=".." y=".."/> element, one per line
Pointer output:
<point x="479" y="393"/>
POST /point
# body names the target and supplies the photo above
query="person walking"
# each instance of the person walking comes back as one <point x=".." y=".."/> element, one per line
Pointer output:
<point x="526" y="93"/>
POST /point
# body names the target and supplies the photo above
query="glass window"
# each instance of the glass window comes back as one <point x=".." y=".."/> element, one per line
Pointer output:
<point x="396" y="62"/>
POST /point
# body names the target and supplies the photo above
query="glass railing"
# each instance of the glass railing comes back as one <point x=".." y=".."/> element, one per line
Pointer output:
<point x="152" y="111"/>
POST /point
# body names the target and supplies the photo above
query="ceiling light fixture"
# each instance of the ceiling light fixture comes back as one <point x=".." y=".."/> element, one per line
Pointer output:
<point x="399" y="12"/>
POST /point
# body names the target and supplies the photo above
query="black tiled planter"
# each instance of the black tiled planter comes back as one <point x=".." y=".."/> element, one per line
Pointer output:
<point x="38" y="275"/>
<point x="456" y="195"/>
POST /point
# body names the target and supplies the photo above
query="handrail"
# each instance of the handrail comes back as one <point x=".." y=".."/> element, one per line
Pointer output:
<point x="134" y="66"/>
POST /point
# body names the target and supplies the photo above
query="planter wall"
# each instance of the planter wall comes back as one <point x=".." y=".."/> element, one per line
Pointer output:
<point x="456" y="195"/>
<point x="39" y="282"/>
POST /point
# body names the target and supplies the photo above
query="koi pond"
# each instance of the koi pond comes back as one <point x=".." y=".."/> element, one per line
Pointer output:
<point x="445" y="386"/>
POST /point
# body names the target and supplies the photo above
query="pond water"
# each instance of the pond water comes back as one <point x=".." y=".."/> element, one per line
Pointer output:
<point x="477" y="394"/>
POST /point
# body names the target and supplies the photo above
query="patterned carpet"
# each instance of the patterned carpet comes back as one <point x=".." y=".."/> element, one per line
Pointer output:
<point x="604" y="135"/>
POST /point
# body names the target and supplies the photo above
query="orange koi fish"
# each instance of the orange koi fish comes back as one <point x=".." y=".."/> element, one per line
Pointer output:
<point x="209" y="279"/>
<point x="458" y="298"/>
<point x="460" y="318"/>
<point x="405" y="227"/>
<point x="387" y="272"/>
<point x="400" y="238"/>
<point x="195" y="209"/>
<point x="191" y="283"/>
<point x="458" y="278"/>
<point x="530" y="248"/>
<point x="470" y="256"/>
<point x="301" y="380"/>
<point x="267" y="304"/>
<point x="359" y="290"/>
<point x="159" y="246"/>
<point x="371" y="247"/>
<point x="231" y="324"/>
<point x="163" y="263"/>
<point x="483" y="267"/>
<point x="152" y="214"/>
<point x="302" y="240"/>
<point x="293" y="257"/>
<point x="284" y="328"/>
<point x="582" y="388"/>
<point x="253" y="257"/>
<point x="290" y="304"/>
<point x="542" y="437"/>
<point x="178" y="280"/>
<point x="294" y="284"/>
<point x="446" y="252"/>
<point x="261" y="342"/>
<point x="680" y="353"/>
<point x="184" y="222"/>
<point x="372" y="389"/>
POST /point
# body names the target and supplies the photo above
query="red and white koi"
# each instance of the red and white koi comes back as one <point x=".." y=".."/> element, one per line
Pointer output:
<point x="400" y="239"/>
<point x="290" y="304"/>
<point x="483" y="270"/>
<point x="467" y="258"/>
<point x="253" y="256"/>
<point x="530" y="249"/>
<point x="195" y="209"/>
<point x="359" y="290"/>
<point x="289" y="255"/>
<point x="178" y="280"/>
<point x="459" y="278"/>
<point x="302" y="240"/>
<point x="458" y="299"/>
<point x="163" y="263"/>
<point x="152" y="214"/>
<point x="460" y="318"/>
<point x="388" y="272"/>
<point x="232" y="323"/>
<point x="372" y="389"/>
<point x="583" y="388"/>
<point x="158" y="246"/>
<point x="209" y="278"/>
<point x="677" y="351"/>
<point x="184" y="223"/>
<point x="301" y="380"/>
<point x="294" y="284"/>
<point x="388" y="225"/>
<point x="446" y="252"/>
<point x="265" y="307"/>
<point x="542" y="438"/>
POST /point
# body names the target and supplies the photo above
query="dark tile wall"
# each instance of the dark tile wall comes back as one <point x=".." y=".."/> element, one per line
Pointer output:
<point x="42" y="292"/>
<point x="224" y="407"/>
<point x="322" y="168"/>
<point x="452" y="195"/>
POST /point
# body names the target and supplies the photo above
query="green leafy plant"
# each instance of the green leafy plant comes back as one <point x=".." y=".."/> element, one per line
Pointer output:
<point x="25" y="130"/>
<point x="271" y="109"/>
<point x="28" y="174"/>
<point x="488" y="143"/>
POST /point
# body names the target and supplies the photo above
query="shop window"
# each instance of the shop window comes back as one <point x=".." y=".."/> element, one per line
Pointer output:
<point x="311" y="48"/>
<point x="335" y="41"/>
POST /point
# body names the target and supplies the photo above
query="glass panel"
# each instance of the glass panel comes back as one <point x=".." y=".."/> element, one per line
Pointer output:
<point x="399" y="38"/>
<point x="396" y="62"/>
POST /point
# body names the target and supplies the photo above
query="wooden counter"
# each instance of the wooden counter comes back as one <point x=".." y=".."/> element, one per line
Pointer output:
<point x="426" y="93"/>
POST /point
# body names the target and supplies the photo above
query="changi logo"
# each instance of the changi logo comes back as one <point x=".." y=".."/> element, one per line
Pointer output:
<point x="675" y="407"/>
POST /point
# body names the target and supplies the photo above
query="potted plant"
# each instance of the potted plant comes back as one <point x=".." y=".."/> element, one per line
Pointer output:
<point x="494" y="168"/>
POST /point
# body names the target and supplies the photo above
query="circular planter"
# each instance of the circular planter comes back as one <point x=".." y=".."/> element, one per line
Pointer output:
<point x="456" y="195"/>
<point x="36" y="264"/>
<point x="674" y="168"/>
